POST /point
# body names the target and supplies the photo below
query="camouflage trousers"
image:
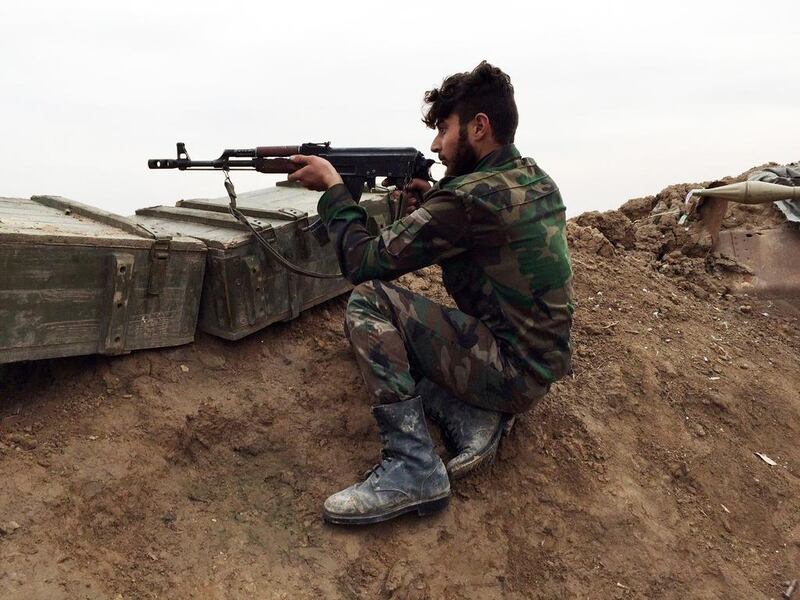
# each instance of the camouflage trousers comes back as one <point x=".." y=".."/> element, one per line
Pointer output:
<point x="400" y="337"/>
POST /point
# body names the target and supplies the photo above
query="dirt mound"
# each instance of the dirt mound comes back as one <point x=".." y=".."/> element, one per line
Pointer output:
<point x="199" y="472"/>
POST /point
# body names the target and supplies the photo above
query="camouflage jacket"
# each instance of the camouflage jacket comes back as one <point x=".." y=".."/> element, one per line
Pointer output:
<point x="498" y="234"/>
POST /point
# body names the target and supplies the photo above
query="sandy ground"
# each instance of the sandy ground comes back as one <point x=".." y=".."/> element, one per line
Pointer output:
<point x="199" y="472"/>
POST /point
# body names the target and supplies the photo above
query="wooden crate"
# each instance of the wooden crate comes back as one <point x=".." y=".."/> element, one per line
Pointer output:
<point x="78" y="280"/>
<point x="245" y="288"/>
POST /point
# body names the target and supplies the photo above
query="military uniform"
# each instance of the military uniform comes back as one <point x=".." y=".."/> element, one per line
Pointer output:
<point x="499" y="235"/>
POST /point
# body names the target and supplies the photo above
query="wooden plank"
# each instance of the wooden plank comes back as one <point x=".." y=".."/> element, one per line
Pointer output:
<point x="55" y="300"/>
<point x="212" y="236"/>
<point x="190" y="215"/>
<point x="49" y="224"/>
<point x="117" y="301"/>
<point x="31" y="209"/>
<point x="51" y="350"/>
<point x="173" y="313"/>
<point x="38" y="212"/>
<point x="27" y="329"/>
<point x="90" y="212"/>
<point x="43" y="238"/>
<point x="37" y="269"/>
<point x="27" y="297"/>
<point x="282" y="214"/>
<point x="12" y="200"/>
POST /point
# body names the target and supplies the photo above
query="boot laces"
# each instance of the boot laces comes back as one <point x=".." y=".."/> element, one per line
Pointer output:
<point x="379" y="467"/>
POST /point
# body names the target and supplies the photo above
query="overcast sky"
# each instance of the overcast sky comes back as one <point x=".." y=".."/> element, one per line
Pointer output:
<point x="616" y="99"/>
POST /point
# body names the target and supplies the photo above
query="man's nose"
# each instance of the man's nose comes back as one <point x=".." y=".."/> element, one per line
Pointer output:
<point x="435" y="145"/>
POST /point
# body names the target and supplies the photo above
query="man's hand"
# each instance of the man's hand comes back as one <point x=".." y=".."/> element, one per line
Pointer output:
<point x="315" y="173"/>
<point x="412" y="193"/>
<point x="418" y="187"/>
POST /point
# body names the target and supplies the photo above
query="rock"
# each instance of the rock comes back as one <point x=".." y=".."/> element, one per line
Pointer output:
<point x="699" y="430"/>
<point x="651" y="238"/>
<point x="745" y="309"/>
<point x="111" y="380"/>
<point x="23" y="441"/>
<point x="252" y="444"/>
<point x="398" y="578"/>
<point x="679" y="470"/>
<point x="613" y="224"/>
<point x="8" y="527"/>
<point x="667" y="368"/>
<point x="215" y="362"/>
<point x="131" y="366"/>
<point x="589" y="239"/>
<point x="182" y="353"/>
<point x="638" y="207"/>
<point x="661" y="206"/>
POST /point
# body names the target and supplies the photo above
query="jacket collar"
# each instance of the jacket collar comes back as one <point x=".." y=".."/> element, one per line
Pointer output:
<point x="498" y="158"/>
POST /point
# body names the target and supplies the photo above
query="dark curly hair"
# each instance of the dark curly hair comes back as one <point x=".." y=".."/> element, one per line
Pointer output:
<point x="485" y="89"/>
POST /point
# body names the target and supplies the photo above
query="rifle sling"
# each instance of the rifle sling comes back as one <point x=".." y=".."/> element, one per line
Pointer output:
<point x="275" y="253"/>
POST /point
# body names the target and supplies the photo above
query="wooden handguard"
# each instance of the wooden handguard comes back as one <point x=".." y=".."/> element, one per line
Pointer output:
<point x="268" y="151"/>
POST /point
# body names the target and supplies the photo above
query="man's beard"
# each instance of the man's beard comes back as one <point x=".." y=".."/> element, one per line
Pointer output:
<point x="465" y="159"/>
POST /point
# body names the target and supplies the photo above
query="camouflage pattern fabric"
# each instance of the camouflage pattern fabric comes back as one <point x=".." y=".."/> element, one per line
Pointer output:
<point x="400" y="337"/>
<point x="499" y="235"/>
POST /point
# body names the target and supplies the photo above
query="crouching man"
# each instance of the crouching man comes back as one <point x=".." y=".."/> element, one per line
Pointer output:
<point x="496" y="225"/>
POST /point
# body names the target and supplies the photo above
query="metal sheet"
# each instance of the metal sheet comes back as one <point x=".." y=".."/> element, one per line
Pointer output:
<point x="771" y="255"/>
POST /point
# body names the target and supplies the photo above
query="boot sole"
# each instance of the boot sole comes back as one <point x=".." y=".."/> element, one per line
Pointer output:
<point x="484" y="459"/>
<point x="422" y="508"/>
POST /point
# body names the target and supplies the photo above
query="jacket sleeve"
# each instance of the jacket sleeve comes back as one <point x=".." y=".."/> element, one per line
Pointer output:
<point x="438" y="229"/>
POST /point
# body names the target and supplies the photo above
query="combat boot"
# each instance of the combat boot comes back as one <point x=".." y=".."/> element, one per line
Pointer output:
<point x="409" y="478"/>
<point x="472" y="433"/>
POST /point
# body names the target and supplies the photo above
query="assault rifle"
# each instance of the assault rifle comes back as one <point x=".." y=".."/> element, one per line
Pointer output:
<point x="358" y="167"/>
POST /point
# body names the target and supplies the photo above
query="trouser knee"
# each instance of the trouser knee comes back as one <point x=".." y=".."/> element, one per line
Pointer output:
<point x="362" y="303"/>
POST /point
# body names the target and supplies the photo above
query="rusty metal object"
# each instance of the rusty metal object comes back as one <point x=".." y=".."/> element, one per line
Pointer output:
<point x="769" y="254"/>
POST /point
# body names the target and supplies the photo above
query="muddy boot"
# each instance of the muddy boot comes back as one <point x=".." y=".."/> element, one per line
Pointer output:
<point x="472" y="433"/>
<point x="410" y="477"/>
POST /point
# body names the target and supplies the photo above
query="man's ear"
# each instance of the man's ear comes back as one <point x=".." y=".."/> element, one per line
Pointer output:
<point x="482" y="127"/>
